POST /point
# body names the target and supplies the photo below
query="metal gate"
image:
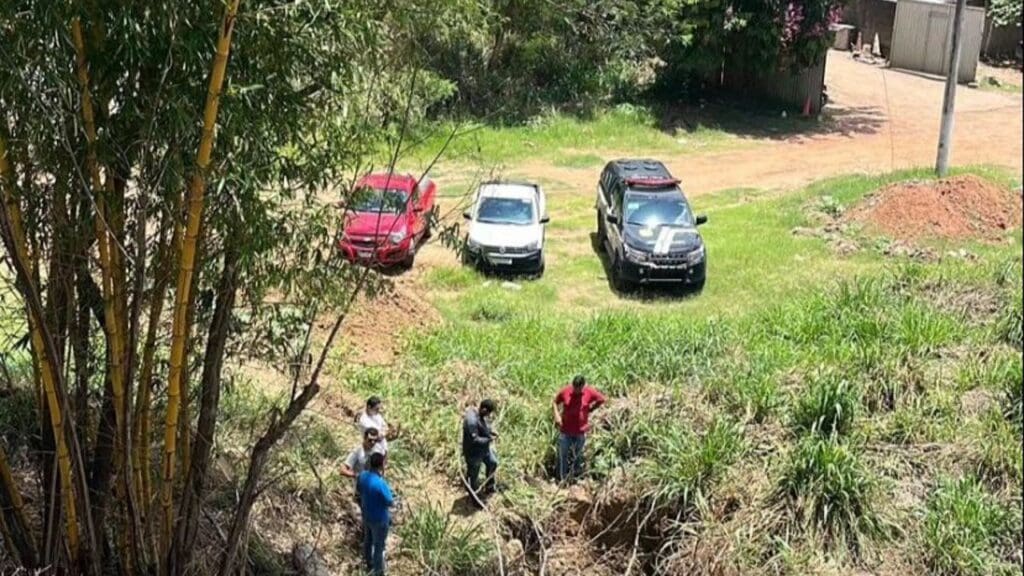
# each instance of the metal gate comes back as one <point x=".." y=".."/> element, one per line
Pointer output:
<point x="922" y="35"/>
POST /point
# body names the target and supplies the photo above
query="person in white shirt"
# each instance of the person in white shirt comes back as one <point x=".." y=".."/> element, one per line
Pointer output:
<point x="356" y="460"/>
<point x="372" y="417"/>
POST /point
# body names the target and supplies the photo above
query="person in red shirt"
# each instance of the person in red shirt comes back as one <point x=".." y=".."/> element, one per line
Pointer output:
<point x="573" y="405"/>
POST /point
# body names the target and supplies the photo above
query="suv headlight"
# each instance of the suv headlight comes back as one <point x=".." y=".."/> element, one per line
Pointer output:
<point x="397" y="237"/>
<point x="472" y="245"/>
<point x="634" y="254"/>
<point x="533" y="245"/>
<point x="696" y="256"/>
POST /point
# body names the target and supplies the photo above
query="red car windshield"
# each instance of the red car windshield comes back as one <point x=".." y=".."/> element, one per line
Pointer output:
<point x="390" y="201"/>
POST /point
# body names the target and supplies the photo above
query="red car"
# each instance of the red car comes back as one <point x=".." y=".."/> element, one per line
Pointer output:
<point x="387" y="219"/>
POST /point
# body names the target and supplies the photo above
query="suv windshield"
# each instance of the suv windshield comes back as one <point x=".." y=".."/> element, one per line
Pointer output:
<point x="515" y="211"/>
<point x="391" y="201"/>
<point x="657" y="209"/>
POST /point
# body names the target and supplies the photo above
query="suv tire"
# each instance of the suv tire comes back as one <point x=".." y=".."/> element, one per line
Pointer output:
<point x="619" y="282"/>
<point x="602" y="235"/>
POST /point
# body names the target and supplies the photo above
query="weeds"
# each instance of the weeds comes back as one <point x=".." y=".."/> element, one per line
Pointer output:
<point x="442" y="547"/>
<point x="1009" y="327"/>
<point x="831" y="493"/>
<point x="996" y="444"/>
<point x="966" y="531"/>
<point x="750" y="391"/>
<point x="827" y="408"/>
<point x="684" y="466"/>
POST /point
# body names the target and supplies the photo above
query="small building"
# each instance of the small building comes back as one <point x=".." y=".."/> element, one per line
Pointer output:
<point x="877" y="18"/>
<point x="872" y="18"/>
<point x="923" y="34"/>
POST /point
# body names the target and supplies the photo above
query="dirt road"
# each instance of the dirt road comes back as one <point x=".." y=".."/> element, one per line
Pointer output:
<point x="879" y="120"/>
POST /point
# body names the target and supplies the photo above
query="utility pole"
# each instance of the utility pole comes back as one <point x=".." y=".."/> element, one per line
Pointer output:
<point x="949" y="102"/>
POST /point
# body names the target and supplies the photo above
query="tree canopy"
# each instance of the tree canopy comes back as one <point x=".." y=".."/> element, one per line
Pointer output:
<point x="168" y="170"/>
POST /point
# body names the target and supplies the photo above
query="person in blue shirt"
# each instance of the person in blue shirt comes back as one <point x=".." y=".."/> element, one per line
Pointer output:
<point x="375" y="499"/>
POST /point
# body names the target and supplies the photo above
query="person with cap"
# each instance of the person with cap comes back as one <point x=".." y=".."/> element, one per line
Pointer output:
<point x="572" y="406"/>
<point x="477" y="449"/>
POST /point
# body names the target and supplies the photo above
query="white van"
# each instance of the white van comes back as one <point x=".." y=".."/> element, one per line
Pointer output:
<point x="506" y="228"/>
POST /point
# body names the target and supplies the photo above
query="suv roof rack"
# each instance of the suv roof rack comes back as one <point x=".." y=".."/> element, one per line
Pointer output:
<point x="640" y="171"/>
<point x="652" y="182"/>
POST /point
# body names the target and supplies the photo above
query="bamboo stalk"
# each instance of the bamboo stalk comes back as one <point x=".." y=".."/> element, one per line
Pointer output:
<point x="183" y="296"/>
<point x="112" y="276"/>
<point x="26" y="550"/>
<point x="16" y="230"/>
<point x="103" y="233"/>
<point x="143" y="403"/>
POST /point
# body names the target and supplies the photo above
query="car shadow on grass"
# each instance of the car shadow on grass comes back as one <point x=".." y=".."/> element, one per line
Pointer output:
<point x="646" y="293"/>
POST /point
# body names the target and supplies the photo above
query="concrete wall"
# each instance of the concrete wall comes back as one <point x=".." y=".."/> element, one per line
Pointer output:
<point x="923" y="35"/>
<point x="872" y="17"/>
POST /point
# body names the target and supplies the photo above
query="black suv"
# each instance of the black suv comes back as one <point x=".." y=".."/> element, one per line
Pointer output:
<point x="645" y="225"/>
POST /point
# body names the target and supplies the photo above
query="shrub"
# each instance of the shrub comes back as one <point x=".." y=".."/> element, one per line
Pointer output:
<point x="442" y="547"/>
<point x="831" y="493"/>
<point x="827" y="408"/>
<point x="965" y="528"/>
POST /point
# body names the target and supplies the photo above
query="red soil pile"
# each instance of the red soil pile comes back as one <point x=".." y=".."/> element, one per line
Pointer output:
<point x="374" y="327"/>
<point x="962" y="207"/>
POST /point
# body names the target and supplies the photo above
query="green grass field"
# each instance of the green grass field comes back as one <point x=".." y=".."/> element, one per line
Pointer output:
<point x="858" y="410"/>
<point x="565" y="140"/>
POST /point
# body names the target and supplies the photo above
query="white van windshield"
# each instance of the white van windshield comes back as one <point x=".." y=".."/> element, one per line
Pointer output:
<point x="515" y="211"/>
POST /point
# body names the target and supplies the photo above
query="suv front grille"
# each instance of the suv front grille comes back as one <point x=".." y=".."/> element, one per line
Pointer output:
<point x="669" y="259"/>
<point x="499" y="251"/>
<point x="365" y="241"/>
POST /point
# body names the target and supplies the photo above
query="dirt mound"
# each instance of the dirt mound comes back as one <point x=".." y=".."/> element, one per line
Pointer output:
<point x="373" y="331"/>
<point x="961" y="207"/>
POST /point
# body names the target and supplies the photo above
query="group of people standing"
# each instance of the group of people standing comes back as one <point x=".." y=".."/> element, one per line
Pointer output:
<point x="572" y="407"/>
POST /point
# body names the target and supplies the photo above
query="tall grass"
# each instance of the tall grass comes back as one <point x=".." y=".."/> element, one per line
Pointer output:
<point x="827" y="406"/>
<point x="1010" y="276"/>
<point x="996" y="450"/>
<point x="685" y="466"/>
<point x="968" y="532"/>
<point x="748" y="388"/>
<point x="443" y="547"/>
<point x="1009" y="327"/>
<point x="831" y="493"/>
